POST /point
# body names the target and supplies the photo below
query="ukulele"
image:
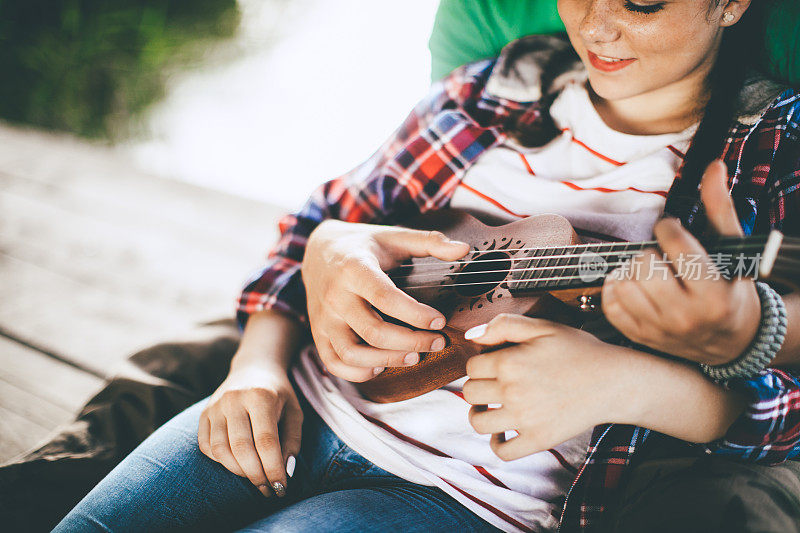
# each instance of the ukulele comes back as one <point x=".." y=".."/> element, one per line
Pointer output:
<point x="537" y="267"/>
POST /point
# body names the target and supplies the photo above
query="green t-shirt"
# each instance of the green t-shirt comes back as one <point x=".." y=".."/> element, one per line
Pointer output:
<point x="469" y="30"/>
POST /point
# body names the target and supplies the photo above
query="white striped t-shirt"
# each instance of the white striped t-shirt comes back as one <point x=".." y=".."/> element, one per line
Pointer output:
<point x="610" y="186"/>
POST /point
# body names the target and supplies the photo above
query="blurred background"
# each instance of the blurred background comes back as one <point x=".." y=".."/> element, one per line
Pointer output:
<point x="147" y="148"/>
<point x="225" y="93"/>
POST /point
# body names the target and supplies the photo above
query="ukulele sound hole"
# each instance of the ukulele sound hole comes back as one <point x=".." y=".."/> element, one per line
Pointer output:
<point x="483" y="274"/>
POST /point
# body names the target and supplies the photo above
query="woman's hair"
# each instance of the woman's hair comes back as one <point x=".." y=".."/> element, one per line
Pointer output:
<point x="741" y="52"/>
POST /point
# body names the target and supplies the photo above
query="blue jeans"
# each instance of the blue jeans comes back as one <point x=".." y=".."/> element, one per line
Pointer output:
<point x="168" y="484"/>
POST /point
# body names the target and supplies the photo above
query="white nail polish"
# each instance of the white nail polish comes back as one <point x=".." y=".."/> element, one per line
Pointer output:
<point x="377" y="370"/>
<point x="291" y="462"/>
<point x="437" y="323"/>
<point x="476" y="332"/>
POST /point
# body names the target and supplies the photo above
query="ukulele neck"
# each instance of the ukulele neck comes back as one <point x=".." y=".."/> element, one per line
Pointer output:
<point x="587" y="265"/>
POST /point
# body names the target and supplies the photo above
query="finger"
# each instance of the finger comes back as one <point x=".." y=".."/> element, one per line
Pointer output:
<point x="405" y="242"/>
<point x="243" y="447"/>
<point x="513" y="448"/>
<point x="634" y="326"/>
<point x="204" y="436"/>
<point x="483" y="392"/>
<point x="649" y="265"/>
<point x="378" y="289"/>
<point x="483" y="366"/>
<point x="509" y="328"/>
<point x="352" y="352"/>
<point x="717" y="201"/>
<point x="688" y="258"/>
<point x="264" y="420"/>
<point x="291" y="429"/>
<point x="220" y="447"/>
<point x="486" y="421"/>
<point x="644" y="299"/>
<point x="335" y="366"/>
<point x="381" y="334"/>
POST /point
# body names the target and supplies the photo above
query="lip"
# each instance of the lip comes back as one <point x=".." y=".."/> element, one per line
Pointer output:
<point x="607" y="66"/>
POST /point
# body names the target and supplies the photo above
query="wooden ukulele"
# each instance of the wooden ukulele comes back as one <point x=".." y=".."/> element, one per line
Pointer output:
<point x="537" y="267"/>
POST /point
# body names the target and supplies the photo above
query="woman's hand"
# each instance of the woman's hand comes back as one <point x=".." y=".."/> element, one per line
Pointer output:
<point x="252" y="426"/>
<point x="344" y="272"/>
<point x="557" y="381"/>
<point x="553" y="384"/>
<point x="686" y="309"/>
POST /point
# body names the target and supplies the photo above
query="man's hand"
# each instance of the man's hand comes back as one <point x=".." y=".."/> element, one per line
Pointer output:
<point x="695" y="314"/>
<point x="344" y="271"/>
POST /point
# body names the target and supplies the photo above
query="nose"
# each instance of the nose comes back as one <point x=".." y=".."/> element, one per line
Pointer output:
<point x="598" y="24"/>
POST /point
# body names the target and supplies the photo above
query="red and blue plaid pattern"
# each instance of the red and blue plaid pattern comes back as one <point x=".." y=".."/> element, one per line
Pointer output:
<point x="418" y="169"/>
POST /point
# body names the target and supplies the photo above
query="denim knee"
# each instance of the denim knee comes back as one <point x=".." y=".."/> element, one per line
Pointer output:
<point x="166" y="483"/>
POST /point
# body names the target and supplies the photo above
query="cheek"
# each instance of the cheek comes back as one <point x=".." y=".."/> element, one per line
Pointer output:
<point x="570" y="12"/>
<point x="679" y="42"/>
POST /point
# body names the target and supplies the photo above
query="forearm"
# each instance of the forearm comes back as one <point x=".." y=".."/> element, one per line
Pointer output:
<point x="270" y="338"/>
<point x="675" y="398"/>
<point x="789" y="355"/>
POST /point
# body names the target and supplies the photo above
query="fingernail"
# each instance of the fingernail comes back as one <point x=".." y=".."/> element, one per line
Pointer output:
<point x="291" y="462"/>
<point x="264" y="489"/>
<point x="411" y="358"/>
<point x="279" y="489"/>
<point x="476" y="332"/>
<point x="437" y="345"/>
<point x="378" y="370"/>
<point x="437" y="323"/>
<point x="457" y="242"/>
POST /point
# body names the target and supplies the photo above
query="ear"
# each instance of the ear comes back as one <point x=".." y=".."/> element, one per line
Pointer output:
<point x="729" y="12"/>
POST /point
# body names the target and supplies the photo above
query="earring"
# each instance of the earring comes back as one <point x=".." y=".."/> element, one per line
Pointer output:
<point x="728" y="17"/>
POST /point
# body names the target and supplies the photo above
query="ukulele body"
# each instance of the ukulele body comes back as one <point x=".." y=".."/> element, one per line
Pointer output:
<point x="468" y="296"/>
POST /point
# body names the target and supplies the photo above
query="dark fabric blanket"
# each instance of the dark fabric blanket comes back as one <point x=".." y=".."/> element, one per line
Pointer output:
<point x="38" y="489"/>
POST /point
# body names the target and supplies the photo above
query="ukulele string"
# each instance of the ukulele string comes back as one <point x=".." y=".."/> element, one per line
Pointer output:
<point x="439" y="270"/>
<point x="504" y="282"/>
<point x="753" y="245"/>
<point x="506" y="270"/>
<point x="643" y="244"/>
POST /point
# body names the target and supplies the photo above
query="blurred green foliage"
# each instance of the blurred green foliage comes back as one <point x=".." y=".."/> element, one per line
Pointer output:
<point x="88" y="66"/>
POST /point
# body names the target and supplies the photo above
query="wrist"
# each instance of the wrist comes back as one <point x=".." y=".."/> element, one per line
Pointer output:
<point x="675" y="398"/>
<point x="260" y="361"/>
<point x="741" y="327"/>
<point x="270" y="338"/>
<point x="625" y="396"/>
<point x="768" y="341"/>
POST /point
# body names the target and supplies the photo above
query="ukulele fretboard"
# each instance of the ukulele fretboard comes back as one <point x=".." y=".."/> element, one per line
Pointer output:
<point x="586" y="265"/>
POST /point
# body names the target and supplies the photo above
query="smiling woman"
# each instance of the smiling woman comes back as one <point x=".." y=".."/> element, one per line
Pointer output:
<point x="615" y="148"/>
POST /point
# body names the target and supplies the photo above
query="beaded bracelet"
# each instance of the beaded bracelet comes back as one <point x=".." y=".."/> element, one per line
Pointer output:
<point x="767" y="343"/>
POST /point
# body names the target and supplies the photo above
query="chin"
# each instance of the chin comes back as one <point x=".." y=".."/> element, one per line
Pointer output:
<point x="617" y="89"/>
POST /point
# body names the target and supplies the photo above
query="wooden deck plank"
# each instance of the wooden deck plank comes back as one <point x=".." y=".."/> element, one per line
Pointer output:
<point x="18" y="434"/>
<point x="37" y="395"/>
<point x="101" y="260"/>
<point x="98" y="260"/>
<point x="57" y="383"/>
<point x="32" y="407"/>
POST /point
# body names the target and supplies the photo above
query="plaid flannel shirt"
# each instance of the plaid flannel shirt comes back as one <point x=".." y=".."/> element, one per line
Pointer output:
<point x="418" y="169"/>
